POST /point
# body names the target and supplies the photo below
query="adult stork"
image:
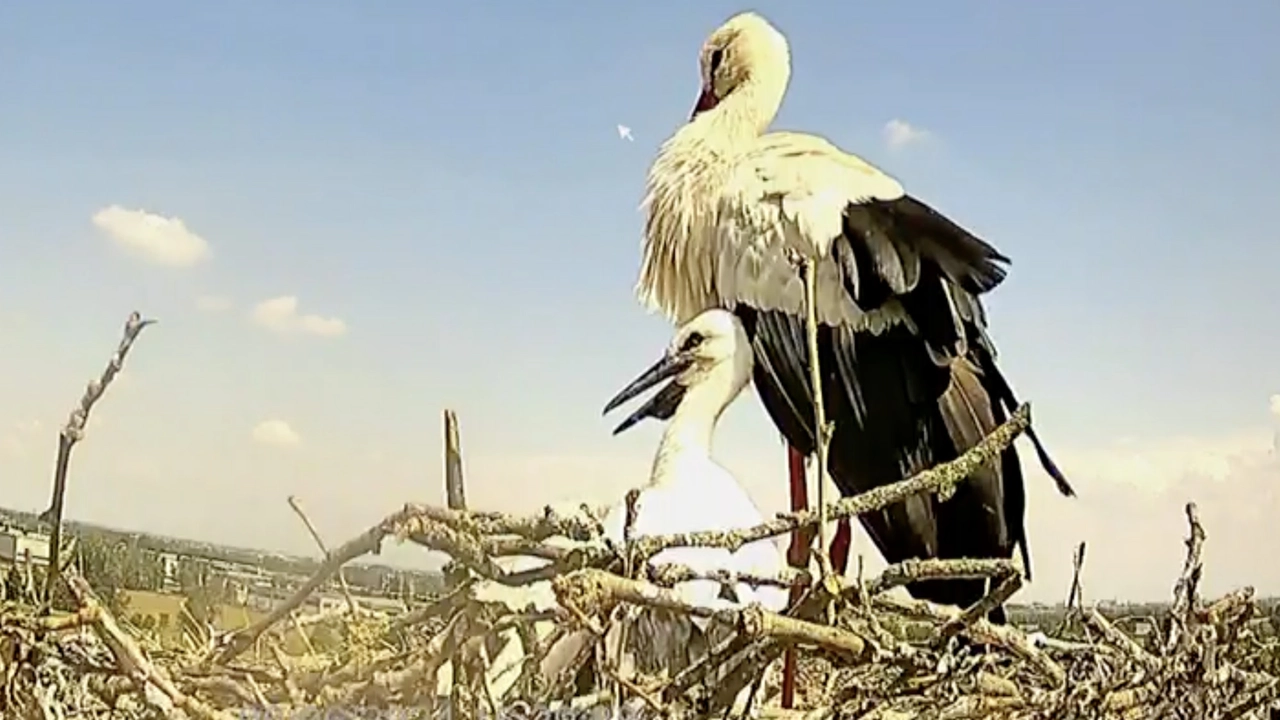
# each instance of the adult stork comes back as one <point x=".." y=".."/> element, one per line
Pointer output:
<point x="910" y="377"/>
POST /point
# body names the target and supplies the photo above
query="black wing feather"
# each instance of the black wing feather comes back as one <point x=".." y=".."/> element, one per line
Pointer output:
<point x="904" y="401"/>
<point x="781" y="377"/>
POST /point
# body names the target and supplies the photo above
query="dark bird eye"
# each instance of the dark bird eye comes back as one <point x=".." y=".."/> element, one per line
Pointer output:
<point x="691" y="342"/>
<point x="717" y="56"/>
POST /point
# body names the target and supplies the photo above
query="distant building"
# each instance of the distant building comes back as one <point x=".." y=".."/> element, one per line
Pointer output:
<point x="384" y="606"/>
<point x="17" y="545"/>
<point x="169" y="567"/>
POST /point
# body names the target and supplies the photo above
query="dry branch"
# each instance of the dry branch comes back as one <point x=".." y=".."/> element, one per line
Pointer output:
<point x="73" y="432"/>
<point x="315" y="535"/>
<point x="934" y="480"/>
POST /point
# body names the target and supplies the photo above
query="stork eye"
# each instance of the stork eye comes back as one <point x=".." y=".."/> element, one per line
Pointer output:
<point x="691" y="342"/>
<point x="717" y="56"/>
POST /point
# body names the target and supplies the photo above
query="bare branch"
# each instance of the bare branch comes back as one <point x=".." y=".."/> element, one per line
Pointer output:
<point x="315" y="535"/>
<point x="73" y="432"/>
<point x="933" y="480"/>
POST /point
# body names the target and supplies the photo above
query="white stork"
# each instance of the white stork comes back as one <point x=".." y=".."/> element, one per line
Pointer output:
<point x="910" y="378"/>
<point x="708" y="364"/>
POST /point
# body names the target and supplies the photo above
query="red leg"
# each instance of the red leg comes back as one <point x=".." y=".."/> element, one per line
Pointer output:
<point x="797" y="557"/>
<point x="802" y="539"/>
<point x="840" y="545"/>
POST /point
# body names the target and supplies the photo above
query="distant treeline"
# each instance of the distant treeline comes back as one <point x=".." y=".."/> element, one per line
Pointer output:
<point x="1129" y="615"/>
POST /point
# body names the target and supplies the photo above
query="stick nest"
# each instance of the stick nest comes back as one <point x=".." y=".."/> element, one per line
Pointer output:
<point x="883" y="657"/>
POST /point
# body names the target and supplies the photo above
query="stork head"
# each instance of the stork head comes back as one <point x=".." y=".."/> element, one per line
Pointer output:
<point x="745" y="49"/>
<point x="710" y="352"/>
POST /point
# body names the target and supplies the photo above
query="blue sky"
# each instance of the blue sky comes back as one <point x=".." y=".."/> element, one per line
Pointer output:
<point x="447" y="181"/>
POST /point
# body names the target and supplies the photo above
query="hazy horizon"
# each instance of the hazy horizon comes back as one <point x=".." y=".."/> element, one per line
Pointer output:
<point x="348" y="217"/>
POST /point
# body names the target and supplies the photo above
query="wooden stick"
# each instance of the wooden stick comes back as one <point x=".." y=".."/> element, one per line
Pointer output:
<point x="937" y="479"/>
<point x="72" y="433"/>
<point x="315" y="535"/>
<point x="822" y="430"/>
<point x="455" y="489"/>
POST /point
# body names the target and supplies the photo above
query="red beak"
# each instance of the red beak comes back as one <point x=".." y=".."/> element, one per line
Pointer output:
<point x="706" y="101"/>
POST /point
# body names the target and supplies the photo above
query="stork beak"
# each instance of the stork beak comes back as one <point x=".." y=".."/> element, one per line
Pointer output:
<point x="664" y="403"/>
<point x="706" y="101"/>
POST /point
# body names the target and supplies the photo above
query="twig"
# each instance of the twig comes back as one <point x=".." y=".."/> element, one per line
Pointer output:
<point x="981" y="631"/>
<point x="822" y="430"/>
<point x="368" y="542"/>
<point x="912" y="571"/>
<point x="444" y="606"/>
<point x="72" y="433"/>
<point x="1118" y="639"/>
<point x="315" y="535"/>
<point x="935" y="479"/>
<point x="596" y="590"/>
<point x="1075" y="596"/>
<point x="981" y="609"/>
<point x="670" y="575"/>
<point x="581" y="527"/>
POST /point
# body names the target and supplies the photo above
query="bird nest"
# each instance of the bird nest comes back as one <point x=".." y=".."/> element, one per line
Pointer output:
<point x="862" y="651"/>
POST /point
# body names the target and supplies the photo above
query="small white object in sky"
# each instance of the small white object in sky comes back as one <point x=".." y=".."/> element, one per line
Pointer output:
<point x="281" y="315"/>
<point x="275" y="432"/>
<point x="1275" y="405"/>
<point x="624" y="133"/>
<point x="900" y="133"/>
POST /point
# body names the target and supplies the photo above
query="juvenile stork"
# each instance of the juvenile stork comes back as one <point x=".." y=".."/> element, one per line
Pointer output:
<point x="707" y="365"/>
<point x="910" y="378"/>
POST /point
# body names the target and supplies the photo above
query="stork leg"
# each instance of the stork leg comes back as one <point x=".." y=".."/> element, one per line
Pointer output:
<point x="797" y="557"/>
<point x="840" y="545"/>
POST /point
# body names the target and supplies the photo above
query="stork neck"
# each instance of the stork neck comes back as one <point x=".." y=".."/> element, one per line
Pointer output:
<point x="689" y="432"/>
<point x="746" y="113"/>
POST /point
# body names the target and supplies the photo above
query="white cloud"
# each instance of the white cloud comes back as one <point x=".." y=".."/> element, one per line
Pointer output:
<point x="1275" y="405"/>
<point x="154" y="238"/>
<point x="213" y="303"/>
<point x="281" y="315"/>
<point x="1155" y="466"/>
<point x="1129" y="511"/>
<point x="276" y="432"/>
<point x="900" y="133"/>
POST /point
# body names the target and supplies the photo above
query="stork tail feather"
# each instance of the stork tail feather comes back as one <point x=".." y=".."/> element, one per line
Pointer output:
<point x="1004" y="394"/>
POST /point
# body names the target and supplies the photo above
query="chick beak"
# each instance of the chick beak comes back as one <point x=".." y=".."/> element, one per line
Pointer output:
<point x="663" y="404"/>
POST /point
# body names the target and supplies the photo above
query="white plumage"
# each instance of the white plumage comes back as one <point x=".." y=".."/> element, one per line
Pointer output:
<point x="709" y="363"/>
<point x="786" y="192"/>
